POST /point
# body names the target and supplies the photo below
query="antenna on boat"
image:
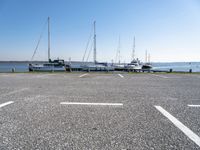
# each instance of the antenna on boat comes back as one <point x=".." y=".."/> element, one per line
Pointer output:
<point x="133" y="53"/>
<point x="95" y="50"/>
<point x="49" y="39"/>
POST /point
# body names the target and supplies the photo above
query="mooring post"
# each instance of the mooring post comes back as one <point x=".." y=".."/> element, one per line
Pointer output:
<point x="13" y="69"/>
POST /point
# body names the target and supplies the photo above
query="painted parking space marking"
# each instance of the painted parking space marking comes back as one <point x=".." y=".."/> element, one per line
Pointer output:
<point x="6" y="103"/>
<point x="83" y="75"/>
<point x="95" y="104"/>
<point x="45" y="75"/>
<point x="121" y="75"/>
<point x="193" y="105"/>
<point x="189" y="133"/>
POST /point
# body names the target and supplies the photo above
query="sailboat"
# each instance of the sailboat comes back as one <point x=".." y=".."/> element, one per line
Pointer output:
<point x="118" y="65"/>
<point x="147" y="65"/>
<point x="96" y="66"/>
<point x="55" y="65"/>
<point x="135" y="64"/>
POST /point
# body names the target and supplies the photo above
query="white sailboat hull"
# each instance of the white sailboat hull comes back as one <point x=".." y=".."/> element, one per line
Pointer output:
<point x="46" y="68"/>
<point x="97" y="68"/>
<point x="133" y="67"/>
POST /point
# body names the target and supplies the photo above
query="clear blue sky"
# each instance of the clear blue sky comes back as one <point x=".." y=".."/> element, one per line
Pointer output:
<point x="168" y="29"/>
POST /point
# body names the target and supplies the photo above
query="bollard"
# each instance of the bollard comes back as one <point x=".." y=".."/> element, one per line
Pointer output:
<point x="190" y="71"/>
<point x="170" y="70"/>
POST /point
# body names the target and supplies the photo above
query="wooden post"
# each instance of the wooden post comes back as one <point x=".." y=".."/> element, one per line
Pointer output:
<point x="13" y="69"/>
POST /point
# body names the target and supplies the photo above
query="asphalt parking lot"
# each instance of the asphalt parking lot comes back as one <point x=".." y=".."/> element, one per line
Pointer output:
<point x="99" y="111"/>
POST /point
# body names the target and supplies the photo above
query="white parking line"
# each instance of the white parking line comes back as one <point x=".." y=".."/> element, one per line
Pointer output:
<point x="83" y="75"/>
<point x="97" y="104"/>
<point x="194" y="105"/>
<point x="44" y="75"/>
<point x="195" y="138"/>
<point x="7" y="103"/>
<point x="121" y="75"/>
<point x="161" y="76"/>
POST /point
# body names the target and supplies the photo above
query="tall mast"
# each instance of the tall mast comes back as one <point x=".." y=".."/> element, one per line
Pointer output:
<point x="119" y="46"/>
<point x="49" y="39"/>
<point x="149" y="58"/>
<point x="95" y="50"/>
<point x="133" y="53"/>
<point x="146" y="55"/>
<point x="117" y="59"/>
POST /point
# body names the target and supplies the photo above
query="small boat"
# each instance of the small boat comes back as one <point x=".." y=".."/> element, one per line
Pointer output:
<point x="135" y="64"/>
<point x="147" y="65"/>
<point x="55" y="65"/>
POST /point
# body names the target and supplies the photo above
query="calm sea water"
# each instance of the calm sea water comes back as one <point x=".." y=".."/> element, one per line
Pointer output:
<point x="178" y="66"/>
<point x="19" y="67"/>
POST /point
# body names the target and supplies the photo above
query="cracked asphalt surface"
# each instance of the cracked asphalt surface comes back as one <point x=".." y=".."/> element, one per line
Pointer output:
<point x="37" y="120"/>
